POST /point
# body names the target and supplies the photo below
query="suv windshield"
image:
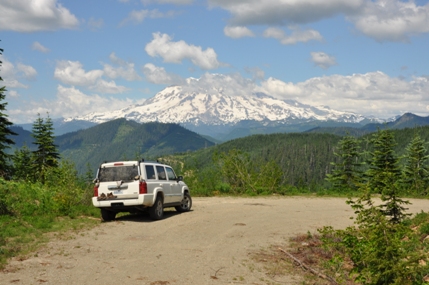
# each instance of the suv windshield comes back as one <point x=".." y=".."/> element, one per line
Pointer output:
<point x="117" y="173"/>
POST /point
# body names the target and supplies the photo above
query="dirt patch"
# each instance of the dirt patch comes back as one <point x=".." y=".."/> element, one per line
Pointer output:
<point x="212" y="244"/>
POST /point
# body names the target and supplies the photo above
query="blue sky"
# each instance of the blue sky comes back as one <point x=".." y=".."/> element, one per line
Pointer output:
<point x="69" y="58"/>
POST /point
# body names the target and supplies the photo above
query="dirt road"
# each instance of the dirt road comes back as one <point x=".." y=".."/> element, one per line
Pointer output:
<point x="209" y="245"/>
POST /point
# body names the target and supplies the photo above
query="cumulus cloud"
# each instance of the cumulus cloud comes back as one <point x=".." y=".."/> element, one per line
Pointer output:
<point x="323" y="60"/>
<point x="35" y="15"/>
<point x="236" y="32"/>
<point x="392" y="20"/>
<point x="13" y="74"/>
<point x="39" y="47"/>
<point x="175" y="52"/>
<point x="176" y="2"/>
<point x="296" y="36"/>
<point x="72" y="72"/>
<point x="228" y="84"/>
<point x="69" y="102"/>
<point x="373" y="93"/>
<point x="137" y="17"/>
<point x="284" y="12"/>
<point x="158" y="75"/>
<point x="382" y="20"/>
<point x="122" y="69"/>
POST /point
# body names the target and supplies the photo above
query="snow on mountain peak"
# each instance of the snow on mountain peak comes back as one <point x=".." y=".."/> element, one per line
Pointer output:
<point x="214" y="106"/>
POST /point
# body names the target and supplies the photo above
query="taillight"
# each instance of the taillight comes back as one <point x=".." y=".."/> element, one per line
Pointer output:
<point x="142" y="187"/>
<point x="96" y="190"/>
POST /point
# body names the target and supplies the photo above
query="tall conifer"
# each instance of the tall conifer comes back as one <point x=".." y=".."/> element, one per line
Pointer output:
<point x="5" y="132"/>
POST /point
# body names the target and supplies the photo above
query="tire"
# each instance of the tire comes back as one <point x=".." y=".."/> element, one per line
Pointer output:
<point x="185" y="204"/>
<point x="107" y="215"/>
<point x="157" y="210"/>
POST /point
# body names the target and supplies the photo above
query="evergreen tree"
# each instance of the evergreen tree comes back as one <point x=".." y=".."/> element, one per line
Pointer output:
<point x="5" y="132"/>
<point x="416" y="172"/>
<point x="384" y="175"/>
<point x="22" y="164"/>
<point x="346" y="173"/>
<point x="46" y="155"/>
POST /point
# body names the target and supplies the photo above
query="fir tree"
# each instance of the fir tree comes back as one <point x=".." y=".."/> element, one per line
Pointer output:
<point x="5" y="132"/>
<point x="384" y="175"/>
<point x="46" y="155"/>
<point x="346" y="173"/>
<point x="416" y="172"/>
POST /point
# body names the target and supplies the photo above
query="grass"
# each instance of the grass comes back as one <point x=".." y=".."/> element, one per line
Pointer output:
<point x="20" y="236"/>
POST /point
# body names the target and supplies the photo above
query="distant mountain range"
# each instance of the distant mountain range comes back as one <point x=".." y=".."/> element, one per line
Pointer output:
<point x="225" y="117"/>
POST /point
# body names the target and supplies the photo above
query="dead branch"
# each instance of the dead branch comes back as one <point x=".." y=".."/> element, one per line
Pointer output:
<point x="303" y="265"/>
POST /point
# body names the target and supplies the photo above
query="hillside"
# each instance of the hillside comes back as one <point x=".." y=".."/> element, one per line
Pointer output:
<point x="122" y="139"/>
<point x="304" y="158"/>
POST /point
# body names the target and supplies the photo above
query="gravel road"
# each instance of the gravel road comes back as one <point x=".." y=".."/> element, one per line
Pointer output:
<point x="208" y="245"/>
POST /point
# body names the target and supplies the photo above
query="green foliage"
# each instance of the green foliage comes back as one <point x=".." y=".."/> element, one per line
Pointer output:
<point x="5" y="132"/>
<point x="416" y="172"/>
<point x="245" y="175"/>
<point x="46" y="155"/>
<point x="346" y="174"/>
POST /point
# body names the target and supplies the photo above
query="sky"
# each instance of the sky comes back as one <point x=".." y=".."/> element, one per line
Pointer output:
<point x="67" y="58"/>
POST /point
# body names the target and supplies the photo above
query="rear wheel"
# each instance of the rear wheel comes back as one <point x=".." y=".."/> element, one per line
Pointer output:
<point x="185" y="204"/>
<point x="107" y="215"/>
<point x="157" y="210"/>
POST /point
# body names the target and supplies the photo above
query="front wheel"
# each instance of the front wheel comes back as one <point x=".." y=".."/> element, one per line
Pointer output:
<point x="157" y="210"/>
<point x="107" y="215"/>
<point x="185" y="204"/>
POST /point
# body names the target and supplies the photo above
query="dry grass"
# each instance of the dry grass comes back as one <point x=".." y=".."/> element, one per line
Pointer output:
<point x="305" y="257"/>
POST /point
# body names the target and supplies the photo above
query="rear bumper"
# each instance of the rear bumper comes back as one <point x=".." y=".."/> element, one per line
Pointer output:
<point x="145" y="200"/>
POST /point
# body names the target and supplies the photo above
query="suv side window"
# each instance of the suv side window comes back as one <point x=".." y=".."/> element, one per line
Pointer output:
<point x="150" y="172"/>
<point x="161" y="172"/>
<point x="170" y="173"/>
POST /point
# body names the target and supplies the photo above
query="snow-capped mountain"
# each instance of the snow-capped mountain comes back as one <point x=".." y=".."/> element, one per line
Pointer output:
<point x="175" y="105"/>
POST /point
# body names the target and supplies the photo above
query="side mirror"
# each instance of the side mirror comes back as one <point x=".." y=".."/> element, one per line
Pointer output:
<point x="180" y="178"/>
<point x="95" y="180"/>
<point x="137" y="177"/>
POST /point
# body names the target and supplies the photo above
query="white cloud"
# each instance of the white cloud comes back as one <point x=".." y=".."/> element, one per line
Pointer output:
<point x="373" y="93"/>
<point x="392" y="20"/>
<point x="123" y="69"/>
<point x="323" y="60"/>
<point x="13" y="74"/>
<point x="158" y="75"/>
<point x="229" y="84"/>
<point x="137" y="17"/>
<point x="35" y="15"/>
<point x="108" y="87"/>
<point x="176" y="2"/>
<point x="236" y="32"/>
<point x="39" y="47"/>
<point x="284" y="12"/>
<point x="382" y="20"/>
<point x="297" y="35"/>
<point x="174" y="52"/>
<point x="69" y="102"/>
<point x="71" y="72"/>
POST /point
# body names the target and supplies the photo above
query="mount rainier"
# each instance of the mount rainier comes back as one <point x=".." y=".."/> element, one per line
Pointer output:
<point x="215" y="113"/>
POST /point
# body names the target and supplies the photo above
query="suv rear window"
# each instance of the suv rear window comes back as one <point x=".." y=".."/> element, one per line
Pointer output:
<point x="117" y="173"/>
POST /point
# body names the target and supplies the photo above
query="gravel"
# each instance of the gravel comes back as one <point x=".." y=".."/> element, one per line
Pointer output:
<point x="208" y="245"/>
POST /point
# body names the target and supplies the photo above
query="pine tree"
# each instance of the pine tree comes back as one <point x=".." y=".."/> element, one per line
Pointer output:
<point x="346" y="173"/>
<point x="46" y="155"/>
<point x="5" y="132"/>
<point x="384" y="175"/>
<point x="416" y="172"/>
<point x="22" y="164"/>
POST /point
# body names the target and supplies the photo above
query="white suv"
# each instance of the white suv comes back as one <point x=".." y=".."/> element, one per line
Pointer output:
<point x="131" y="186"/>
